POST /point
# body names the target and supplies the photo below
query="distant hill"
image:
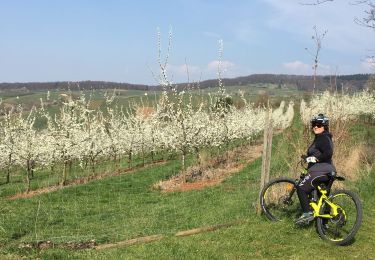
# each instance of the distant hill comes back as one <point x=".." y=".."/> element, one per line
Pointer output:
<point x="65" y="85"/>
<point x="348" y="82"/>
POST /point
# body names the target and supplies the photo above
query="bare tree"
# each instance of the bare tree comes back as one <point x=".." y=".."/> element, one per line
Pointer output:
<point x="367" y="21"/>
<point x="317" y="38"/>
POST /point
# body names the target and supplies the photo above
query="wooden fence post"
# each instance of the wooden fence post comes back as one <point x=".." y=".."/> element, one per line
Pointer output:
<point x="266" y="156"/>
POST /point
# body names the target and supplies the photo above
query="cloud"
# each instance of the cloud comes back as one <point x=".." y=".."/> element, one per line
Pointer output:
<point x="183" y="69"/>
<point x="183" y="73"/>
<point x="300" y="68"/>
<point x="297" y="67"/>
<point x="224" y="65"/>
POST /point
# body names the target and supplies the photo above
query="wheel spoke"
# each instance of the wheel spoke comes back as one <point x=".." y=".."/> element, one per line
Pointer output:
<point x="279" y="200"/>
<point x="341" y="228"/>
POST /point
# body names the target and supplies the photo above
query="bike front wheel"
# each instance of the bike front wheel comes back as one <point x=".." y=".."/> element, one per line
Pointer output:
<point x="342" y="228"/>
<point x="278" y="199"/>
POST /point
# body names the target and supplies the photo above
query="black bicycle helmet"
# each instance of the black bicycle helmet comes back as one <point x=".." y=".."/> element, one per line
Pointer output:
<point x="320" y="120"/>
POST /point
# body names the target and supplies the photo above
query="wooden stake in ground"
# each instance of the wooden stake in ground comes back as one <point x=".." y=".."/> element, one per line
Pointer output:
<point x="266" y="157"/>
<point x="208" y="229"/>
<point x="135" y="241"/>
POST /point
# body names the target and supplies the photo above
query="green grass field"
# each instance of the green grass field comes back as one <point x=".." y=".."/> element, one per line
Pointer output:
<point x="126" y="207"/>
<point x="126" y="97"/>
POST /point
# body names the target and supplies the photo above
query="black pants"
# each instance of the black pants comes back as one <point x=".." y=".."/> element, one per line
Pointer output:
<point x="317" y="174"/>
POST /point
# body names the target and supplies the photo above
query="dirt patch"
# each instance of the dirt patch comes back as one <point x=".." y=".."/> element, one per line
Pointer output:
<point x="92" y="244"/>
<point x="213" y="172"/>
<point x="135" y="241"/>
<point x="33" y="193"/>
<point x="42" y="245"/>
<point x="80" y="181"/>
<point x="146" y="112"/>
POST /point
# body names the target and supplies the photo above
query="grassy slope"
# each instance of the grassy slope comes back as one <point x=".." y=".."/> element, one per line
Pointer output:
<point x="125" y="207"/>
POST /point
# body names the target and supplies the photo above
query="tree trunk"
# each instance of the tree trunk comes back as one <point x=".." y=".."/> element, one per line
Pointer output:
<point x="70" y="165"/>
<point x="92" y="159"/>
<point x="8" y="169"/>
<point x="130" y="160"/>
<point x="183" y="161"/>
<point x="198" y="156"/>
<point x="52" y="168"/>
<point x="32" y="166"/>
<point x="65" y="174"/>
<point x="226" y="143"/>
<point x="183" y="166"/>
<point x="93" y="168"/>
<point x="143" y="156"/>
<point x="117" y="161"/>
<point x="86" y="163"/>
<point x="28" y="182"/>
<point x="28" y="177"/>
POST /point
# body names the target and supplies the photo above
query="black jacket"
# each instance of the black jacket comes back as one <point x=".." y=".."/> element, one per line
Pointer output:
<point x="322" y="148"/>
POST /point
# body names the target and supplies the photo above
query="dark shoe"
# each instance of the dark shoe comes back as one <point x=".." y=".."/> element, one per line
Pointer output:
<point x="305" y="218"/>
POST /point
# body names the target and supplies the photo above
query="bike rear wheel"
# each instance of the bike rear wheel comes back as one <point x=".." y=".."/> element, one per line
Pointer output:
<point x="341" y="229"/>
<point x="279" y="200"/>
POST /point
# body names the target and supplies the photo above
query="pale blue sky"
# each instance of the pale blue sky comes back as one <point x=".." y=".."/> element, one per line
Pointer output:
<point x="116" y="40"/>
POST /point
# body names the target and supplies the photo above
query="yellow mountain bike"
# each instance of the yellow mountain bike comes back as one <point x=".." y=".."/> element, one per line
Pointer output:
<point x="337" y="215"/>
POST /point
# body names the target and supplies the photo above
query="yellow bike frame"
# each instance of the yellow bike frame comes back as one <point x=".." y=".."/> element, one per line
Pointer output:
<point x="317" y="206"/>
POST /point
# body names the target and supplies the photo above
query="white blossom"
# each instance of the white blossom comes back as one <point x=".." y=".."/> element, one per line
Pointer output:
<point x="339" y="106"/>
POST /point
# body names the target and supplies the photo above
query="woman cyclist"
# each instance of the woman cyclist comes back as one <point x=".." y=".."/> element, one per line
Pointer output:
<point x="319" y="158"/>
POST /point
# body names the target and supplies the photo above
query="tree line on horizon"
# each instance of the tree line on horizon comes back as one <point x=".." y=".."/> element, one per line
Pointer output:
<point x="348" y="82"/>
